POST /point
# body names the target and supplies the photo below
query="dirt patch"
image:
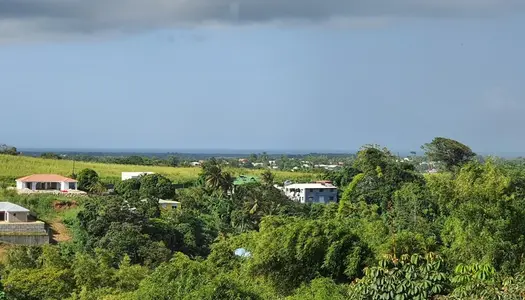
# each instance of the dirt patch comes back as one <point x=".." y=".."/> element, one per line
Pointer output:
<point x="63" y="205"/>
<point x="59" y="231"/>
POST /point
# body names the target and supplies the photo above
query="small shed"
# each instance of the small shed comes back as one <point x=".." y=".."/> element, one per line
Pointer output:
<point x="13" y="213"/>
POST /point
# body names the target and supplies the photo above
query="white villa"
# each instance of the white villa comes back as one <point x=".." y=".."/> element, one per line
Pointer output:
<point x="134" y="175"/>
<point x="318" y="192"/>
<point x="46" y="182"/>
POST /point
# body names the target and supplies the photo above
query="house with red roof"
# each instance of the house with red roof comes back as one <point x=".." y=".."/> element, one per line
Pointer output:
<point x="46" y="182"/>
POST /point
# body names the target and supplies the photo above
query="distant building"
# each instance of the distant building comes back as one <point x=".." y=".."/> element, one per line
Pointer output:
<point x="134" y="175"/>
<point x="195" y="163"/>
<point x="46" y="182"/>
<point x="327" y="167"/>
<point x="258" y="164"/>
<point x="166" y="204"/>
<point x="244" y="179"/>
<point x="318" y="192"/>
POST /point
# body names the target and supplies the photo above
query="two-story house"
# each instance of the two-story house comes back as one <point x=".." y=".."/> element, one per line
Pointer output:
<point x="319" y="192"/>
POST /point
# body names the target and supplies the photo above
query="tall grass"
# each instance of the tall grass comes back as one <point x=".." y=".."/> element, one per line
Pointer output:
<point x="12" y="167"/>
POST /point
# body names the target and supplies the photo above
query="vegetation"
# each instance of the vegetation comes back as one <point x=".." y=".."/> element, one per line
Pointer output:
<point x="395" y="234"/>
<point x="12" y="167"/>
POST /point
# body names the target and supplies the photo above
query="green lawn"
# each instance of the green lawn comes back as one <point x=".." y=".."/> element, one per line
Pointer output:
<point x="12" y="167"/>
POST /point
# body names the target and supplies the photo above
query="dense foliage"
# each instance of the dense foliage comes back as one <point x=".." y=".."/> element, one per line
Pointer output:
<point x="394" y="234"/>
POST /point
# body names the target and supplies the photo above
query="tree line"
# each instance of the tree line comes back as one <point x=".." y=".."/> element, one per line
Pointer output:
<point x="394" y="234"/>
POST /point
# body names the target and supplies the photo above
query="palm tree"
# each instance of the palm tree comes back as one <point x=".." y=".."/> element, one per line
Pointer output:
<point x="227" y="182"/>
<point x="267" y="178"/>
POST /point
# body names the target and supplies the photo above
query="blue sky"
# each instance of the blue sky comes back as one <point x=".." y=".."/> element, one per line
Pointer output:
<point x="313" y="83"/>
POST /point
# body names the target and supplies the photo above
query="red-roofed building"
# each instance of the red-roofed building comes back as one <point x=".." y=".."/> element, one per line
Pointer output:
<point x="46" y="182"/>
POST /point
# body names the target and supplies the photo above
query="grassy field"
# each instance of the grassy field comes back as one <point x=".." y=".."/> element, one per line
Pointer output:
<point x="12" y="167"/>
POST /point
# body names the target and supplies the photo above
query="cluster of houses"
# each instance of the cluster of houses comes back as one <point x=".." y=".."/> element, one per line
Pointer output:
<point x="314" y="192"/>
<point x="17" y="226"/>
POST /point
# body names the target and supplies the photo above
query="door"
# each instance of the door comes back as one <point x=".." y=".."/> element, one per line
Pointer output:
<point x="321" y="199"/>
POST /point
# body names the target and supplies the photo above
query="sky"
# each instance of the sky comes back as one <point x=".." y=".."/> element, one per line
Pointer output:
<point x="299" y="75"/>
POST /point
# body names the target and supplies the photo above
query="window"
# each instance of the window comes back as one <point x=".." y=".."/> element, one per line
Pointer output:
<point x="310" y="199"/>
<point x="321" y="190"/>
<point x="311" y="190"/>
<point x="331" y="198"/>
<point x="72" y="186"/>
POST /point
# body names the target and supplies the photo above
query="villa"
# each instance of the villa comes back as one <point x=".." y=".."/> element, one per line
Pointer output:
<point x="46" y="182"/>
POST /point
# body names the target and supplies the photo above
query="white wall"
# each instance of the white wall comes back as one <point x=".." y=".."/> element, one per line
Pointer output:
<point x="16" y="217"/>
<point x="130" y="175"/>
<point x="19" y="185"/>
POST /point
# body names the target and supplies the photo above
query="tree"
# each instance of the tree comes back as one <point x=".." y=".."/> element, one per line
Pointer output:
<point x="173" y="161"/>
<point x="8" y="150"/>
<point x="128" y="189"/>
<point x="320" y="289"/>
<point x="215" y="178"/>
<point x="50" y="155"/>
<point x="267" y="178"/>
<point x="449" y="152"/>
<point x="291" y="251"/>
<point x="156" y="186"/>
<point x="408" y="277"/>
<point x="87" y="180"/>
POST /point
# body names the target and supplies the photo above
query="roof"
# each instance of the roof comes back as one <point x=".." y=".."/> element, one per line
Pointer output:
<point x="11" y="207"/>
<point x="243" y="179"/>
<point x="310" y="186"/>
<point x="45" y="178"/>
<point x="161" y="201"/>
<point x="168" y="202"/>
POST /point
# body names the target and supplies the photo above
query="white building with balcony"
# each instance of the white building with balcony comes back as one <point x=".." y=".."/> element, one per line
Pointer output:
<point x="319" y="192"/>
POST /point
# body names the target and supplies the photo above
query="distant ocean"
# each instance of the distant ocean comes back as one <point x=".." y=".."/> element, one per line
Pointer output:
<point x="182" y="151"/>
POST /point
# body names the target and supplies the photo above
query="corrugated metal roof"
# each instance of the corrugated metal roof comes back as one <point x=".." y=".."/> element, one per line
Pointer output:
<point x="11" y="207"/>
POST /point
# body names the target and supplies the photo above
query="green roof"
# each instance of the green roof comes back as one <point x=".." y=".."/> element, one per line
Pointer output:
<point x="244" y="179"/>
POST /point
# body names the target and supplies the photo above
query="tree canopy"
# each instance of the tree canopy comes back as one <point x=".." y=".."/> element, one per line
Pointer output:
<point x="396" y="233"/>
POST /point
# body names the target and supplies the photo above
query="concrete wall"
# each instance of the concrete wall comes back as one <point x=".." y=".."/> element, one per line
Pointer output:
<point x="19" y="185"/>
<point x="30" y="240"/>
<point x="23" y="227"/>
<point x="14" y="217"/>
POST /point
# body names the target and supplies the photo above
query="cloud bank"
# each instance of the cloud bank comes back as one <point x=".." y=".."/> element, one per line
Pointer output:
<point x="22" y="19"/>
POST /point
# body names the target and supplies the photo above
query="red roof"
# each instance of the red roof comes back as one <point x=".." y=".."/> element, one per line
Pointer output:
<point x="45" y="178"/>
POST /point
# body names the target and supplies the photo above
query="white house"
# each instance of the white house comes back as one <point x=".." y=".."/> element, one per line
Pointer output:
<point x="12" y="213"/>
<point x="46" y="182"/>
<point x="319" y="192"/>
<point x="166" y="204"/>
<point x="134" y="175"/>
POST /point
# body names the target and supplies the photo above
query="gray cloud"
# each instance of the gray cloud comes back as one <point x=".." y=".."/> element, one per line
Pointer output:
<point x="20" y="19"/>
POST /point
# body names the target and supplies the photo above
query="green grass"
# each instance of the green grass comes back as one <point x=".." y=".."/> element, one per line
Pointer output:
<point x="41" y="205"/>
<point x="12" y="167"/>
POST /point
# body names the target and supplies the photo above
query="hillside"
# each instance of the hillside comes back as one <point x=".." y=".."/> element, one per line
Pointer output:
<point x="12" y="167"/>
